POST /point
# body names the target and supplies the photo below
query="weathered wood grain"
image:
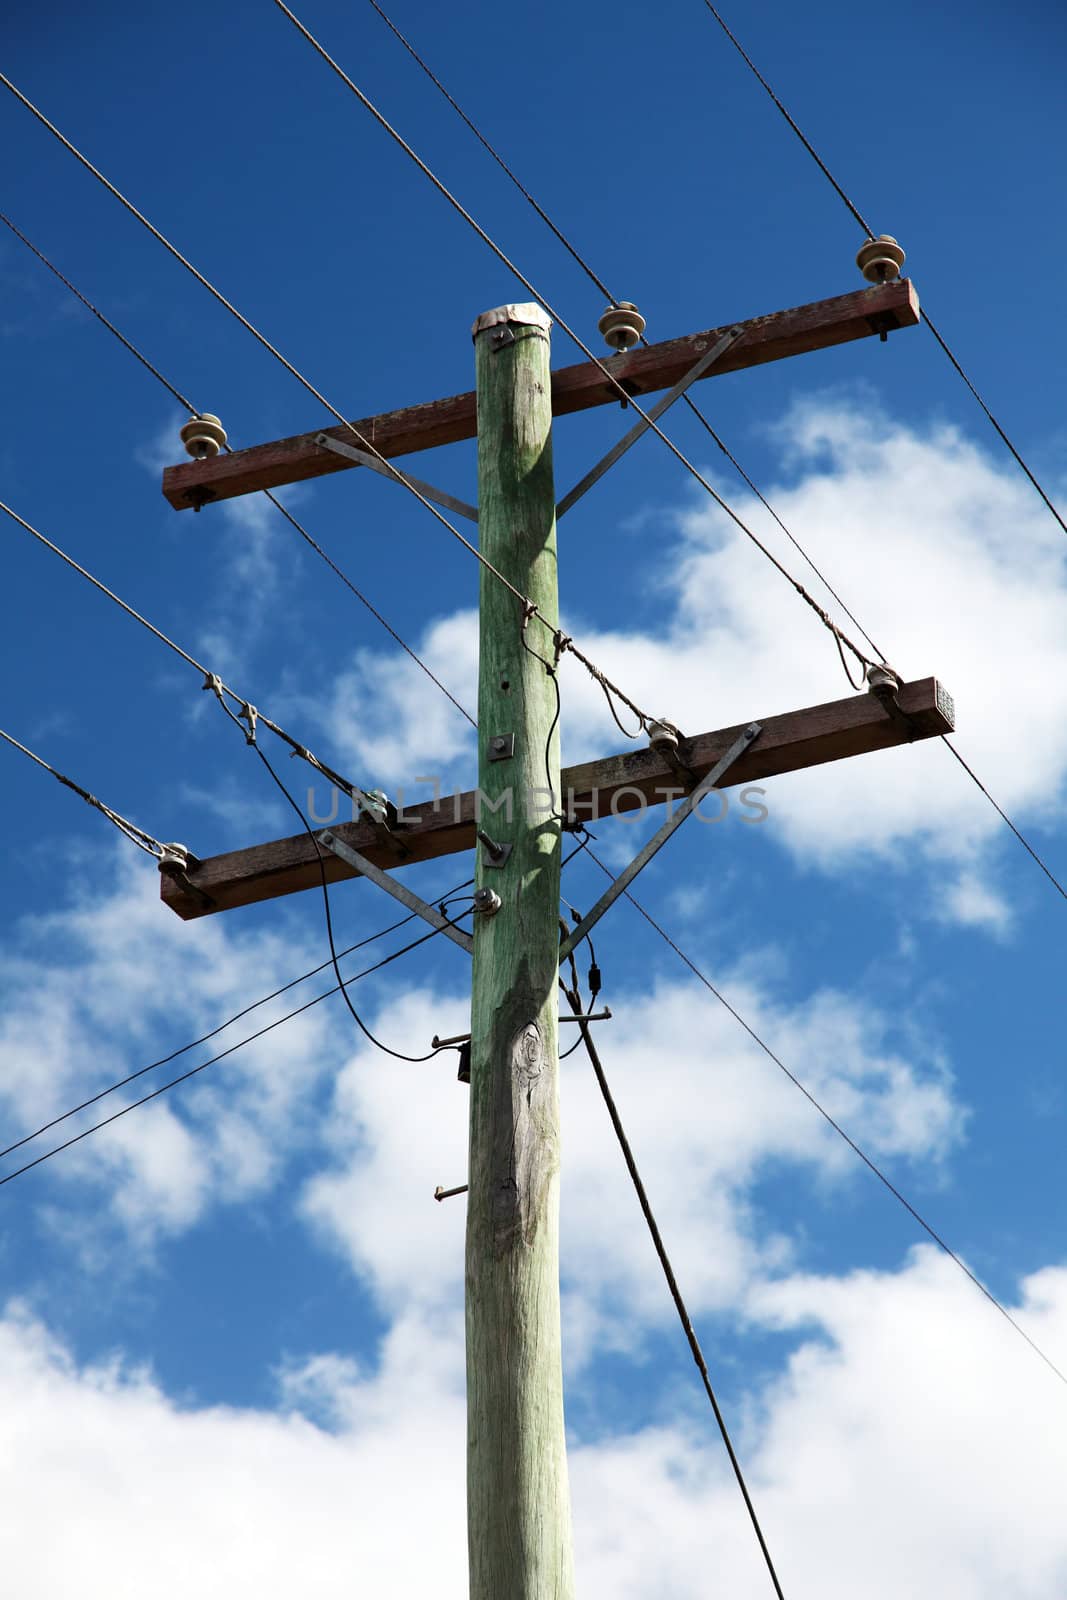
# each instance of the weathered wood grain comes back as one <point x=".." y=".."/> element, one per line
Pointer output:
<point x="817" y="326"/>
<point x="793" y="740"/>
<point x="518" y="1504"/>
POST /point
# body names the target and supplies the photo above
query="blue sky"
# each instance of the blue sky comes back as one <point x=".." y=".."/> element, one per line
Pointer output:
<point x="242" y="1299"/>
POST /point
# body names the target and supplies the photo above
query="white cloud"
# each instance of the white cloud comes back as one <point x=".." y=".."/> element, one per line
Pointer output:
<point x="394" y="724"/>
<point x="112" y="982"/>
<point x="708" y="1117"/>
<point x="910" y="1446"/>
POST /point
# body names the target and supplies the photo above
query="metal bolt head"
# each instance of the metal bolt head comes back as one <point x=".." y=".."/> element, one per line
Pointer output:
<point x="487" y="901"/>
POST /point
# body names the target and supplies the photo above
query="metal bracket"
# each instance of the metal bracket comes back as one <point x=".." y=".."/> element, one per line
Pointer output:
<point x="603" y="1015"/>
<point x="407" y="897"/>
<point x="696" y="371"/>
<point x="493" y="854"/>
<point x="658" y="839"/>
<point x="362" y="458"/>
<point x="502" y="747"/>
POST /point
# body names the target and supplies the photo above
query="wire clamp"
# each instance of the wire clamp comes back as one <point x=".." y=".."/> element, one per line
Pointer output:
<point x="249" y="714"/>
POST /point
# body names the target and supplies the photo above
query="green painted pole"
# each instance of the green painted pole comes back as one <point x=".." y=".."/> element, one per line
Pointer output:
<point x="518" y="1503"/>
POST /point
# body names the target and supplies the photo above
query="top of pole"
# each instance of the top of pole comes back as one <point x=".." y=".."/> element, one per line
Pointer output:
<point x="530" y="315"/>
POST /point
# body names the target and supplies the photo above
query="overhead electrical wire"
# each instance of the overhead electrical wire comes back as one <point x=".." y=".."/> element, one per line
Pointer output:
<point x="187" y="404"/>
<point x="143" y="841"/>
<point x="320" y="858"/>
<point x="660" y="1248"/>
<point x="251" y="714"/>
<point x="867" y="1160"/>
<point x="262" y="1001"/>
<point x="616" y="384"/>
<point x="529" y="608"/>
<point x="183" y="1049"/>
<point x="221" y="1056"/>
<point x="599" y="283"/>
<point x="869" y="231"/>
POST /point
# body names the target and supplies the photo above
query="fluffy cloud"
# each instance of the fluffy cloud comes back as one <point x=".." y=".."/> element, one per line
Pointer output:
<point x="906" y="1448"/>
<point x="97" y="989"/>
<point x="708" y="1119"/>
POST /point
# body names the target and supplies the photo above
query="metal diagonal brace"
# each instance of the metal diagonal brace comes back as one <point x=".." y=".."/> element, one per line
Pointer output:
<point x="708" y="359"/>
<point x="658" y="839"/>
<point x="363" y="459"/>
<point x="407" y="897"/>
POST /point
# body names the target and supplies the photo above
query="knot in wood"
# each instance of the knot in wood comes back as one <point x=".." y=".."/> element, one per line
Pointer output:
<point x="529" y="1057"/>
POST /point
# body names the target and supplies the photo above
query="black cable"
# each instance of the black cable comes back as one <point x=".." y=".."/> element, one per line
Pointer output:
<point x="869" y="231"/>
<point x="672" y="1285"/>
<point x="506" y="261"/>
<point x="99" y="315"/>
<point x="871" y="1165"/>
<point x="194" y="412"/>
<point x="482" y="140"/>
<point x="1027" y="846"/>
<point x="606" y="292"/>
<point x="338" y="987"/>
<point x="398" y="1054"/>
<point x="996" y="425"/>
<point x="193" y="1043"/>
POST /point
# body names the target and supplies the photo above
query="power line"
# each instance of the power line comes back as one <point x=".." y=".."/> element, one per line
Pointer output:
<point x="1027" y="846"/>
<point x="203" y="1039"/>
<point x="212" y="681"/>
<point x="869" y="231"/>
<point x="185" y="1076"/>
<point x="143" y="841"/>
<point x="529" y="609"/>
<point x="624" y="395"/>
<point x="672" y="1285"/>
<point x="184" y="401"/>
<point x="361" y="1025"/>
<point x="868" y="1162"/>
<point x="599" y="283"/>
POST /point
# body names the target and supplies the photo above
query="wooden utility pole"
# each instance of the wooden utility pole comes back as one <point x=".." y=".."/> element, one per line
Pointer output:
<point x="518" y="1506"/>
<point x="518" y="1502"/>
